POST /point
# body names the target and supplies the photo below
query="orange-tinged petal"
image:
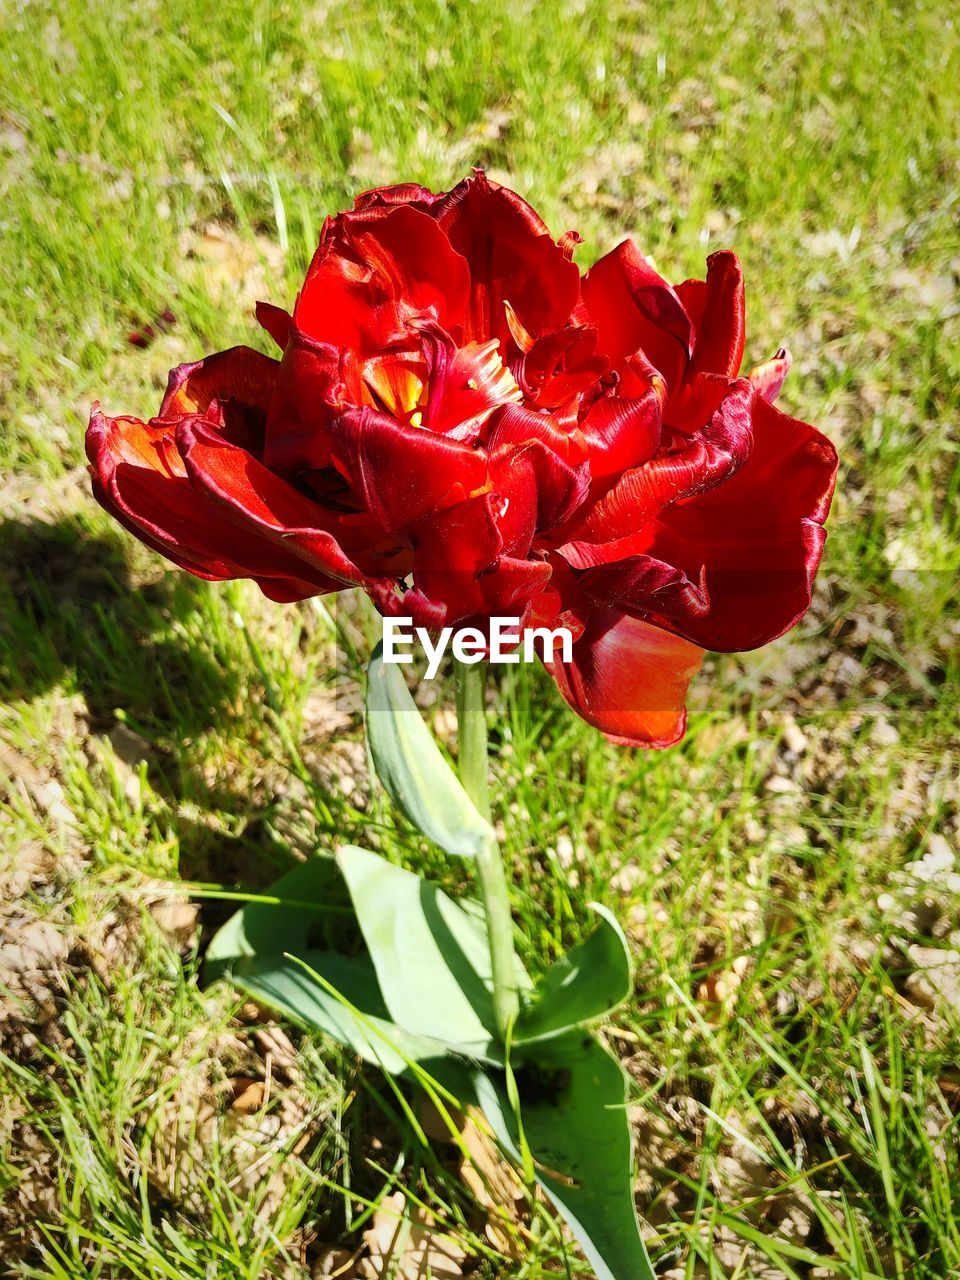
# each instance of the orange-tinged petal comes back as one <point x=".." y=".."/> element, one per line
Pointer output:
<point x="769" y="377"/>
<point x="238" y="378"/>
<point x="629" y="679"/>
<point x="464" y="384"/>
<point x="140" y="478"/>
<point x="396" y="380"/>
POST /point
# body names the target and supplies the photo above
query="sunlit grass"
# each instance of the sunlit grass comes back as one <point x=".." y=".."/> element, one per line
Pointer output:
<point x="775" y="1030"/>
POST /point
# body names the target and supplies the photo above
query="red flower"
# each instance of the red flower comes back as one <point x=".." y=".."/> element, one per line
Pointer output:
<point x="464" y="427"/>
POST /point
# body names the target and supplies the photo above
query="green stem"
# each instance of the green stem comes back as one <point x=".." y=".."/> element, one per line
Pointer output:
<point x="472" y="733"/>
<point x="494" y="893"/>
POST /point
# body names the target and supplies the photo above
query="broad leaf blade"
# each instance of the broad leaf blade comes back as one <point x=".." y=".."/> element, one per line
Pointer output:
<point x="591" y="980"/>
<point x="286" y="917"/>
<point x="355" y="1016"/>
<point x="253" y="950"/>
<point x="572" y="1104"/>
<point x="431" y="958"/>
<point x="412" y="768"/>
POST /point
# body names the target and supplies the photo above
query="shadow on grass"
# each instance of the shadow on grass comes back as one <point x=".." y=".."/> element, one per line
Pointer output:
<point x="72" y="612"/>
<point x="68" y="605"/>
<point x="250" y="862"/>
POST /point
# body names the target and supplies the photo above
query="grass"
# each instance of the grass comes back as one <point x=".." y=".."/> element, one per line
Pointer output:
<point x="793" y="1054"/>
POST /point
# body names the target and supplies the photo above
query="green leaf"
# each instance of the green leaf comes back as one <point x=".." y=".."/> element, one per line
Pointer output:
<point x="254" y="949"/>
<point x="573" y="1110"/>
<point x="412" y="768"/>
<point x="431" y="957"/>
<point x="591" y="980"/>
<point x="290" y="914"/>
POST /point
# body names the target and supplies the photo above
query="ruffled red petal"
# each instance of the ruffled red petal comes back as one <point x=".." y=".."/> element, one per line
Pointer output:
<point x="464" y="384"/>
<point x="461" y="564"/>
<point x="756" y="540"/>
<point x="556" y="369"/>
<point x="622" y="433"/>
<point x="517" y="423"/>
<point x="140" y="478"/>
<point x="635" y="310"/>
<point x="262" y="505"/>
<point x="535" y="489"/>
<point x="639" y="583"/>
<point x="716" y="306"/>
<point x="512" y="258"/>
<point x="515" y="588"/>
<point x="275" y="321"/>
<point x="308" y="393"/>
<point x="239" y="375"/>
<point x="371" y="277"/>
<point x="703" y="461"/>
<point x="452" y="549"/>
<point x="378" y="201"/>
<point x="402" y="473"/>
